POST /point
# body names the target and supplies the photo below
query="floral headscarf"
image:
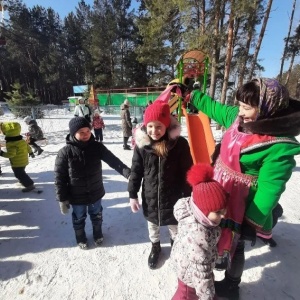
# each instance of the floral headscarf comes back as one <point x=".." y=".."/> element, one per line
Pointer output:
<point x="273" y="97"/>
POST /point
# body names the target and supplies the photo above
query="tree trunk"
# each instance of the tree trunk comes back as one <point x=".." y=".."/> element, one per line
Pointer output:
<point x="244" y="58"/>
<point x="261" y="35"/>
<point x="290" y="69"/>
<point x="216" y="51"/>
<point x="286" y="43"/>
<point x="229" y="52"/>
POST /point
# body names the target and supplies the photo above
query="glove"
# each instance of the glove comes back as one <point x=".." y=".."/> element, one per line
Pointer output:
<point x="248" y="233"/>
<point x="32" y="155"/>
<point x="64" y="207"/>
<point x="134" y="204"/>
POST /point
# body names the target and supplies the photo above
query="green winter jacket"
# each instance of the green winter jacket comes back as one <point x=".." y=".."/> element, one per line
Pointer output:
<point x="272" y="163"/>
<point x="17" y="149"/>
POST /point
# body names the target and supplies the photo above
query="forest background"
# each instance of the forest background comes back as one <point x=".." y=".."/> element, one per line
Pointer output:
<point x="111" y="45"/>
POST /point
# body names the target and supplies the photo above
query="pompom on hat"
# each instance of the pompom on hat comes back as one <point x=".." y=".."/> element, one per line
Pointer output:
<point x="77" y="123"/>
<point x="208" y="194"/>
<point x="158" y="111"/>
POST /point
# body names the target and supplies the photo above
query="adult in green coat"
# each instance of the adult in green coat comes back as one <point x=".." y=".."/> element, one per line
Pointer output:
<point x="17" y="151"/>
<point x="255" y="162"/>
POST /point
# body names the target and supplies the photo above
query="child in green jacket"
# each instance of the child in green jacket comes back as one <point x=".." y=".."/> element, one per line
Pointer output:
<point x="17" y="153"/>
<point x="255" y="162"/>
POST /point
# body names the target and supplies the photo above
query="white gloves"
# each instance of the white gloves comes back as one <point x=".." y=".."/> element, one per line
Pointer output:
<point x="64" y="207"/>
<point x="134" y="204"/>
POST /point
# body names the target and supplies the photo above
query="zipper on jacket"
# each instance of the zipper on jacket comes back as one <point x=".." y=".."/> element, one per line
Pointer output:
<point x="158" y="189"/>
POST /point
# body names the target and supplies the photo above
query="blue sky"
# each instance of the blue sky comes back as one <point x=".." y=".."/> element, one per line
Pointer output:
<point x="272" y="46"/>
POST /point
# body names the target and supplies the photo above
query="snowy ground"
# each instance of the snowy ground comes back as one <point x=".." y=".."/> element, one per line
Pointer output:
<point x="39" y="258"/>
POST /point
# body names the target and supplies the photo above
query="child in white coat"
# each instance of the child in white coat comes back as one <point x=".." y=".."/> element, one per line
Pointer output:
<point x="194" y="252"/>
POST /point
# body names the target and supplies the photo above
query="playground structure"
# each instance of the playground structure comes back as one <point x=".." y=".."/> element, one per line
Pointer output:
<point x="191" y="67"/>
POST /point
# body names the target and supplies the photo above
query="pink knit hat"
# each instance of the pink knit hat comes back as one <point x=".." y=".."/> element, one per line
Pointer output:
<point x="158" y="111"/>
<point x="208" y="194"/>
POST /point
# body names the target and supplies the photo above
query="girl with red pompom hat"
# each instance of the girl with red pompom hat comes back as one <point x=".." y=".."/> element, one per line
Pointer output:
<point x="194" y="252"/>
<point x="160" y="162"/>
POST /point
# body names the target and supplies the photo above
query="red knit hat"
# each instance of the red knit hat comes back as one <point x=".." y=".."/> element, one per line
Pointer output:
<point x="208" y="194"/>
<point x="158" y="111"/>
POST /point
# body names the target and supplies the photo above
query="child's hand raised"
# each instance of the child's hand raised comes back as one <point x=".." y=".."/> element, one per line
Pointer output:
<point x="134" y="204"/>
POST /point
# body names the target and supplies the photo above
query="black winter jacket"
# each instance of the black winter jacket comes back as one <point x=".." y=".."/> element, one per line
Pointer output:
<point x="163" y="180"/>
<point x="78" y="171"/>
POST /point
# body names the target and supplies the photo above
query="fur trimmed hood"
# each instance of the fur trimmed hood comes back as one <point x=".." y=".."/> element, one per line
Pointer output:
<point x="142" y="139"/>
<point x="284" y="123"/>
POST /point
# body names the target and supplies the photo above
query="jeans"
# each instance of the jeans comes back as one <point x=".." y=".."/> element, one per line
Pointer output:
<point x="154" y="229"/>
<point x="79" y="214"/>
<point x="22" y="176"/>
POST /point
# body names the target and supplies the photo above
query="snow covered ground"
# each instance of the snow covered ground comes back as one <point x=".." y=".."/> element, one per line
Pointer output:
<point x="39" y="258"/>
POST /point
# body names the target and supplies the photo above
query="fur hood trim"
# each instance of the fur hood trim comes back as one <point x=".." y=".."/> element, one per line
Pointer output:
<point x="142" y="139"/>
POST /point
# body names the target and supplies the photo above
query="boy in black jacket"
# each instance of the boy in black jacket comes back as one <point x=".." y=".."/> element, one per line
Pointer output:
<point x="78" y="178"/>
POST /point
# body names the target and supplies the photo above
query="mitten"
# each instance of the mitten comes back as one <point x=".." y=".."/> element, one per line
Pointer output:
<point x="248" y="233"/>
<point x="32" y="155"/>
<point x="64" y="207"/>
<point x="134" y="204"/>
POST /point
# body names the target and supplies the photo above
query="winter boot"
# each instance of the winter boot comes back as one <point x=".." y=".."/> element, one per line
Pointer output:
<point x="28" y="188"/>
<point x="40" y="151"/>
<point x="125" y="141"/>
<point x="154" y="255"/>
<point x="35" y="148"/>
<point x="98" y="235"/>
<point x="81" y="239"/>
<point x="228" y="287"/>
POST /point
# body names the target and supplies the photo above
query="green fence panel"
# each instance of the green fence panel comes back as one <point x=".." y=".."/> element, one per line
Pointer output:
<point x="115" y="99"/>
<point x="102" y="99"/>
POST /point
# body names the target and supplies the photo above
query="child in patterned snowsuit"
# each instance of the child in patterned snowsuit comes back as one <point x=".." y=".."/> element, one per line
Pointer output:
<point x="194" y="252"/>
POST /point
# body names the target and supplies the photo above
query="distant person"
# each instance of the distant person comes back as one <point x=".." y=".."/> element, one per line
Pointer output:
<point x="17" y="151"/>
<point x="160" y="162"/>
<point x="83" y="110"/>
<point x="34" y="134"/>
<point x="98" y="126"/>
<point x="126" y="124"/>
<point x="78" y="178"/>
<point x="194" y="252"/>
<point x="256" y="161"/>
<point x="135" y="126"/>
